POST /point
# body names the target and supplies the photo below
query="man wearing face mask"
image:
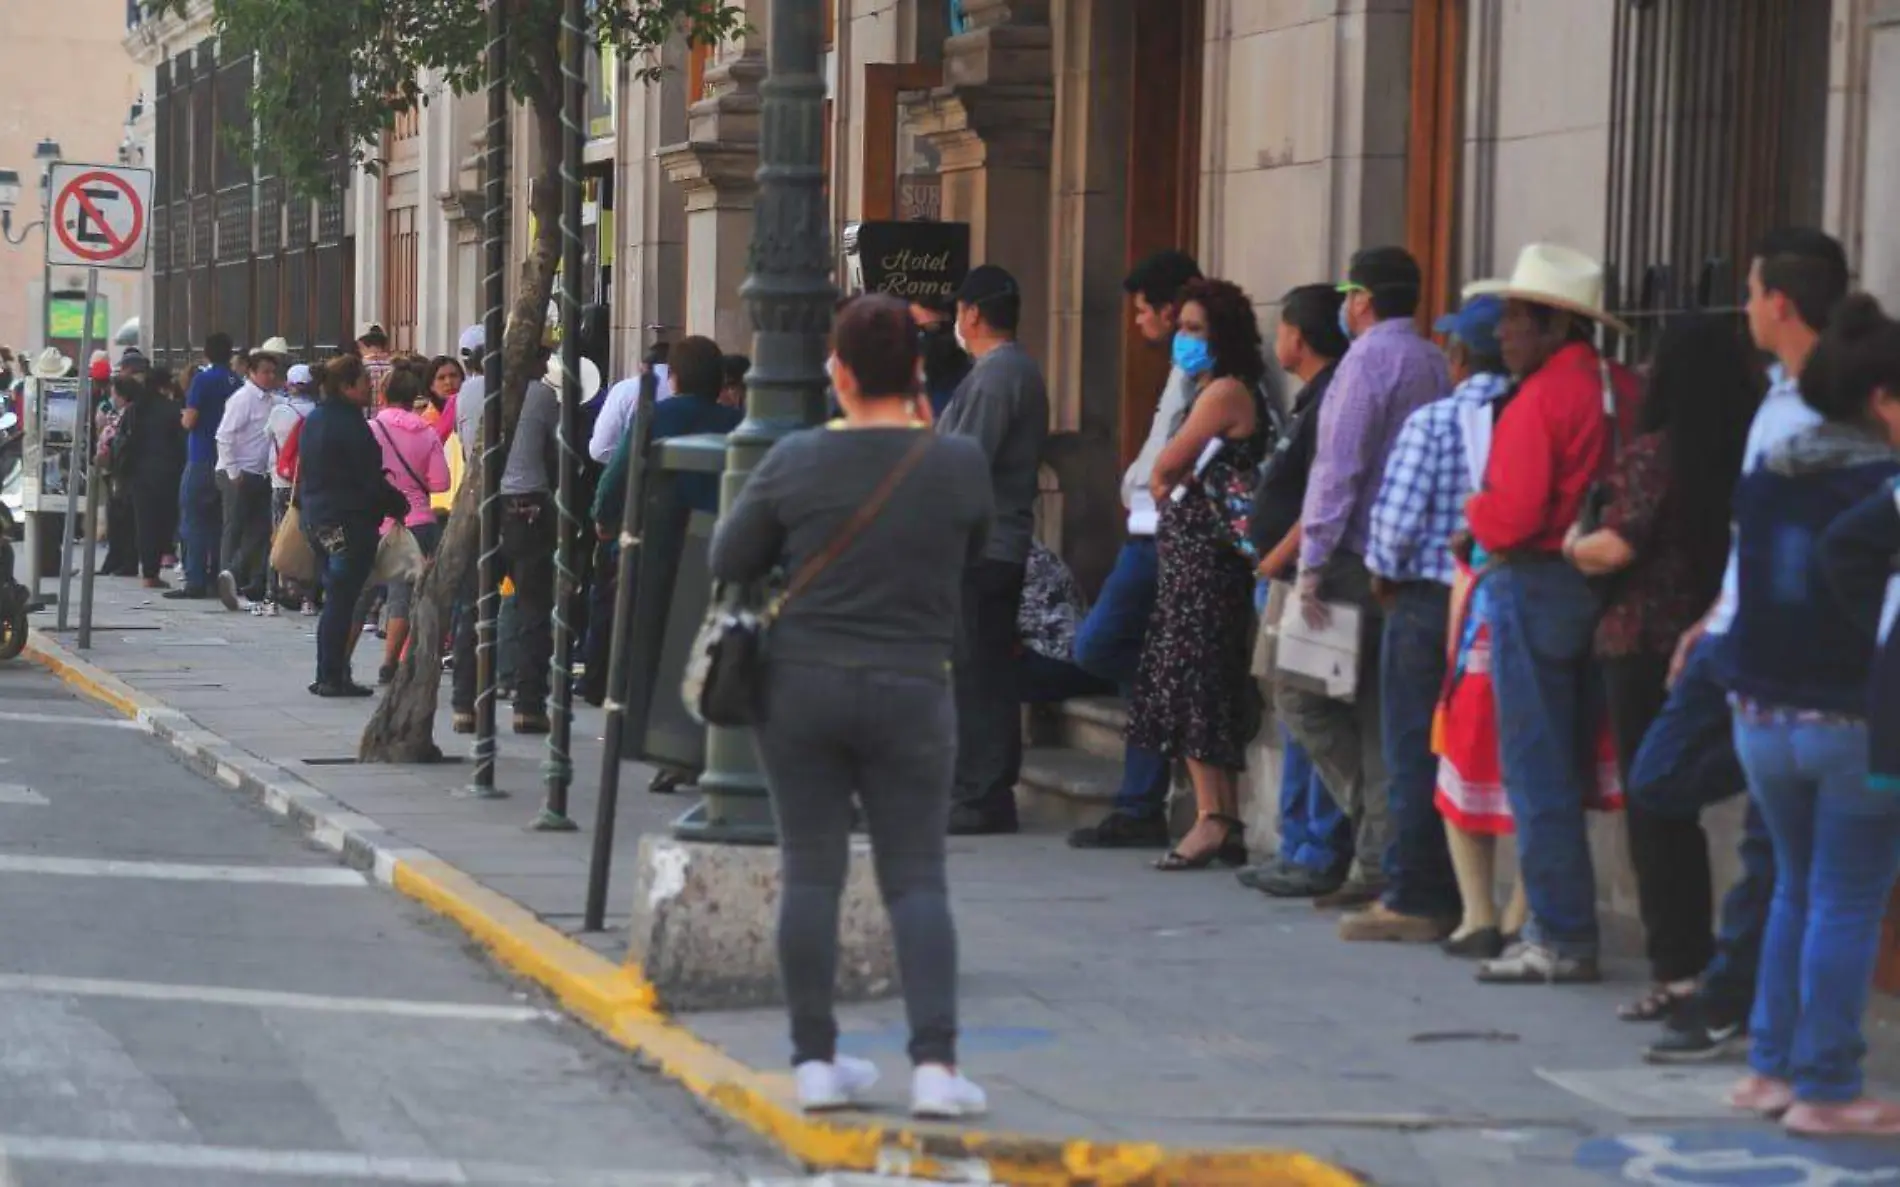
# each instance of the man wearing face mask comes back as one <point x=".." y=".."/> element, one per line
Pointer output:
<point x="1003" y="404"/>
<point x="1390" y="372"/>
<point x="945" y="361"/>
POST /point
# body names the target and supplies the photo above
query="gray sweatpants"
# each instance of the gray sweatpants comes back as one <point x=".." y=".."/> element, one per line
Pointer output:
<point x="888" y="738"/>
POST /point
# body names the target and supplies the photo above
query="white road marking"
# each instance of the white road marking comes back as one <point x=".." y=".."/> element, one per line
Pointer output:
<point x="323" y="1164"/>
<point x="108" y="723"/>
<point x="165" y="871"/>
<point x="20" y="793"/>
<point x="267" y="999"/>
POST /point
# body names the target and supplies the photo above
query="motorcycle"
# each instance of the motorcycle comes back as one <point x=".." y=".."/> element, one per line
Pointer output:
<point x="14" y="596"/>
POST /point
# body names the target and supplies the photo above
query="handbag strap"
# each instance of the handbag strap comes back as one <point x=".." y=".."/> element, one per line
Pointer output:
<point x="860" y="519"/>
<point x="1611" y="420"/>
<point x="397" y="450"/>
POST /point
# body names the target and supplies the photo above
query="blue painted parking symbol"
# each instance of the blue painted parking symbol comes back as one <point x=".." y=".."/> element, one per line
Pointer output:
<point x="1740" y="1158"/>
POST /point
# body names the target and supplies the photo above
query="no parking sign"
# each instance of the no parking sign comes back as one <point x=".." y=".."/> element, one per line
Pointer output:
<point x="101" y="216"/>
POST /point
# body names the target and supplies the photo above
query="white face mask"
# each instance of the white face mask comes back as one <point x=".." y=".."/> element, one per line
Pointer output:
<point x="963" y="344"/>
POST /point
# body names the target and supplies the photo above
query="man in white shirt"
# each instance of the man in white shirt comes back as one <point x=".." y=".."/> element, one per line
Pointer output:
<point x="616" y="411"/>
<point x="243" y="478"/>
<point x="1687" y="760"/>
<point x="1108" y="643"/>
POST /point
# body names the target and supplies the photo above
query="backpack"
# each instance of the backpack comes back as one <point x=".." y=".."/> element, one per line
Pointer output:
<point x="287" y="455"/>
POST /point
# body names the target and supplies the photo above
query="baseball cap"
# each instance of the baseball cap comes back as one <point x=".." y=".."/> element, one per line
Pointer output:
<point x="473" y="341"/>
<point x="101" y="369"/>
<point x="1475" y="324"/>
<point x="986" y="282"/>
<point x="300" y="376"/>
<point x="1378" y="268"/>
<point x="134" y="360"/>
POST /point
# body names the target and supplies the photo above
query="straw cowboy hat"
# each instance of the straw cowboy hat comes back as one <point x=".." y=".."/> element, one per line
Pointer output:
<point x="1560" y="277"/>
<point x="590" y="377"/>
<point x="276" y="347"/>
<point x="51" y="364"/>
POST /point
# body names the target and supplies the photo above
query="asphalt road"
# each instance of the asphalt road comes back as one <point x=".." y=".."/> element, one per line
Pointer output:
<point x="192" y="996"/>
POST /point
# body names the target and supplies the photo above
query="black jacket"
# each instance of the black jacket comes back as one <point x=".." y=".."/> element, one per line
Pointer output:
<point x="1278" y="499"/>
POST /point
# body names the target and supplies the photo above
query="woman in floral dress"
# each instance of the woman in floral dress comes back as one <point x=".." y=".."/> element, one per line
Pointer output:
<point x="1191" y="689"/>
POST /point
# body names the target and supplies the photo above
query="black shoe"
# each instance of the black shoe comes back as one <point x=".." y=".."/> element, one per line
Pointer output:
<point x="1487" y="943"/>
<point x="974" y="820"/>
<point x="1118" y="830"/>
<point x="1288" y="880"/>
<point x="185" y="595"/>
<point x="1694" y="1035"/>
<point x="349" y="688"/>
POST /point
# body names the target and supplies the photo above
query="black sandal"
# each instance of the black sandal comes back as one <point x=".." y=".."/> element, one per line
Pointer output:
<point x="1232" y="851"/>
<point x="1656" y="1005"/>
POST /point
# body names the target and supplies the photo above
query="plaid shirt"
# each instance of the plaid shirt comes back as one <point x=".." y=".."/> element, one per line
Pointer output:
<point x="1427" y="480"/>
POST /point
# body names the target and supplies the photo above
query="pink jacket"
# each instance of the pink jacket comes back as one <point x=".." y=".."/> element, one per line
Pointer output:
<point x="409" y="443"/>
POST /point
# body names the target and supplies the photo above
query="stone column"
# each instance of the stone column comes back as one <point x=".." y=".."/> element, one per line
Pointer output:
<point x="1880" y="241"/>
<point x="649" y="216"/>
<point x="991" y="122"/>
<point x="715" y="169"/>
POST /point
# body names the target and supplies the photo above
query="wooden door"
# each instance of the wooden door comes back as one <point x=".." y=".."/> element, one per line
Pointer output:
<point x="1164" y="171"/>
<point x="1433" y="164"/>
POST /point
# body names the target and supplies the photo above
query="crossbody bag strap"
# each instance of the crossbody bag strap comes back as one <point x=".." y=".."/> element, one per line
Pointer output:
<point x="1615" y="424"/>
<point x="397" y="450"/>
<point x="860" y="519"/>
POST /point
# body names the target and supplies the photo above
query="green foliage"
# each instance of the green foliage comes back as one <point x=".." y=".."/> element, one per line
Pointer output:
<point x="334" y="75"/>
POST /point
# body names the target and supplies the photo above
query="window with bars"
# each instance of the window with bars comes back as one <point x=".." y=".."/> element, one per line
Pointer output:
<point x="1718" y="133"/>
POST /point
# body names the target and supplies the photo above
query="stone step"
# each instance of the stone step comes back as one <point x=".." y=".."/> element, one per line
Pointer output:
<point x="1062" y="788"/>
<point x="1093" y="725"/>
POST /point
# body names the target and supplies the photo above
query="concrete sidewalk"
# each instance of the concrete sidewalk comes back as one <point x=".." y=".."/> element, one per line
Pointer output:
<point x="1106" y="1006"/>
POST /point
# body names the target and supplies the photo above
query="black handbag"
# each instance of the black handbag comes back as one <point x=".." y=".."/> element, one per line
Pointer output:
<point x="724" y="683"/>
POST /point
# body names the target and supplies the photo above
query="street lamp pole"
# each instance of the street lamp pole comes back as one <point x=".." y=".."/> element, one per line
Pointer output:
<point x="789" y="295"/>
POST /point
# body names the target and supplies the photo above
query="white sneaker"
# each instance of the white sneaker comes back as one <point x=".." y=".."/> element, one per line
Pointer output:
<point x="309" y="608"/>
<point x="940" y="1094"/>
<point x="272" y="609"/>
<point x="823" y="1087"/>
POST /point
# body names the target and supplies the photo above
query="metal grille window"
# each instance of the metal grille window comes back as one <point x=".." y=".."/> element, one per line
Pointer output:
<point x="1718" y="132"/>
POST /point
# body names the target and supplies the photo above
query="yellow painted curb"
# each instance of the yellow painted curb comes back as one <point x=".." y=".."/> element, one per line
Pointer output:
<point x="619" y="1003"/>
<point x="616" y="1001"/>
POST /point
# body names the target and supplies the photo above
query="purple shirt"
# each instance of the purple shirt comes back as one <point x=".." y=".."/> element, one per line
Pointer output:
<point x="1389" y="373"/>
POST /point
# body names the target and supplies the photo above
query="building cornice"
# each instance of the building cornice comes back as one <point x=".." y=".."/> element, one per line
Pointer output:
<point x="157" y="38"/>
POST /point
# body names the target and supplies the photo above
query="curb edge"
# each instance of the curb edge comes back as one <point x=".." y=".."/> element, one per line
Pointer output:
<point x="616" y="1001"/>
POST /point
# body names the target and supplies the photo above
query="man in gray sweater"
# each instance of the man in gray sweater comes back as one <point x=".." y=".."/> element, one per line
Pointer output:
<point x="1003" y="405"/>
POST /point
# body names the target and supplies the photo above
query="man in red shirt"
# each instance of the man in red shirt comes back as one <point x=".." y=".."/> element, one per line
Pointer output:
<point x="1554" y="440"/>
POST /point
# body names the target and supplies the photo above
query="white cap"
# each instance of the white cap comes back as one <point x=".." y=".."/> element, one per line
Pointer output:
<point x="474" y="340"/>
<point x="300" y="376"/>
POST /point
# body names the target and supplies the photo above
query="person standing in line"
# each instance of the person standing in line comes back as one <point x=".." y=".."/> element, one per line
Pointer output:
<point x="342" y="498"/>
<point x="244" y="450"/>
<point x="1390" y="372"/>
<point x="1315" y="836"/>
<point x="150" y="460"/>
<point x="1421" y="506"/>
<point x="1553" y="443"/>
<point x="945" y="361"/>
<point x="200" y="509"/>
<point x="1004" y="405"/>
<point x="296" y="403"/>
<point x="882" y="519"/>
<point x="1190" y="692"/>
<point x="528" y="530"/>
<point x="415" y="465"/>
<point x="1664" y="536"/>
<point x="1798" y="663"/>
<point x="1687" y="761"/>
<point x="1108" y="644"/>
<point x="372" y="346"/>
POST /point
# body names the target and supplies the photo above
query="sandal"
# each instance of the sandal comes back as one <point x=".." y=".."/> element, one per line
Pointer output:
<point x="1232" y="851"/>
<point x="1656" y="1005"/>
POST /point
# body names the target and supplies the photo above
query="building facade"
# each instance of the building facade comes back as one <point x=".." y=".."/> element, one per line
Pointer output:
<point x="67" y="84"/>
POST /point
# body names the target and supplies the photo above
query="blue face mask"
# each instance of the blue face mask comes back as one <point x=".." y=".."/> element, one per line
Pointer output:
<point x="1345" y="322"/>
<point x="1192" y="354"/>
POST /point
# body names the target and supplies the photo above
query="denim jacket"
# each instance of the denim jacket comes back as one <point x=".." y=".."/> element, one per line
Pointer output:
<point x="1860" y="552"/>
<point x="1794" y="644"/>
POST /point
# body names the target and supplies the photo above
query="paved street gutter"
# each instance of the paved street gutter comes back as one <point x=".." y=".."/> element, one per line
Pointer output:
<point x="617" y="1001"/>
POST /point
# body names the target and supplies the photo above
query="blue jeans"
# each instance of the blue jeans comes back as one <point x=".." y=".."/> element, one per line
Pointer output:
<point x="200" y="524"/>
<point x="1837" y="847"/>
<point x="346" y="554"/>
<point x="1543" y="620"/>
<point x="1687" y="763"/>
<point x="1314" y="833"/>
<point x="1108" y="645"/>
<point x="1412" y="675"/>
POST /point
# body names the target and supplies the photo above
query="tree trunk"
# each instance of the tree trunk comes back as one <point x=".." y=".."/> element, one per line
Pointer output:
<point x="402" y="729"/>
